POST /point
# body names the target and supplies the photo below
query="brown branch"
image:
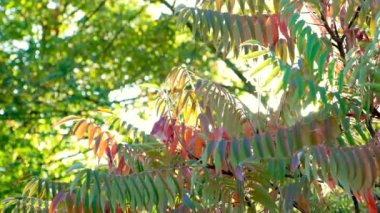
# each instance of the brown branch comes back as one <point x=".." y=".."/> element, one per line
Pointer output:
<point x="356" y="204"/>
<point x="249" y="87"/>
<point x="356" y="15"/>
<point x="351" y="23"/>
<point x="224" y="172"/>
<point x="369" y="121"/>
<point x="334" y="36"/>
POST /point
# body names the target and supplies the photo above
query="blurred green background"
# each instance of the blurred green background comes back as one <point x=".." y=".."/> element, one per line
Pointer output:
<point x="59" y="58"/>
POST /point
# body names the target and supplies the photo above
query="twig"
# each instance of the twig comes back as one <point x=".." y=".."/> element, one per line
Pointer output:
<point x="89" y="16"/>
<point x="110" y="43"/>
<point x="247" y="85"/>
<point x="355" y="17"/>
<point x="335" y="37"/>
<point x="356" y="204"/>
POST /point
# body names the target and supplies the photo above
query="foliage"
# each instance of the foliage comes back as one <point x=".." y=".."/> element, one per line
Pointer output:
<point x="64" y="57"/>
<point x="209" y="151"/>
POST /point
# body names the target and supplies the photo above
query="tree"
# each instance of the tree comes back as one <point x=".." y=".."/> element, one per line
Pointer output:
<point x="64" y="57"/>
<point x="209" y="151"/>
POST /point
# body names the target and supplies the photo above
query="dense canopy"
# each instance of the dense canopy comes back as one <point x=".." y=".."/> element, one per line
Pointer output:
<point x="62" y="58"/>
<point x="261" y="106"/>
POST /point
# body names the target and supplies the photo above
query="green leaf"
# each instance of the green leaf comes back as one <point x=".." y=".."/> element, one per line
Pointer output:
<point x="321" y="62"/>
<point x="299" y="86"/>
<point x="262" y="196"/>
<point x="251" y="42"/>
<point x="150" y="183"/>
<point x="187" y="201"/>
<point x="340" y="81"/>
<point x="314" y="50"/>
<point x="330" y="71"/>
<point x="235" y="152"/>
<point x="75" y="167"/>
<point x="293" y="19"/>
<point x="76" y="180"/>
<point x="219" y="156"/>
<point x="312" y="90"/>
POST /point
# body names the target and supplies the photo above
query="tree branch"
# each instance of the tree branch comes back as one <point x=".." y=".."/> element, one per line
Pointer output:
<point x="334" y="36"/>
<point x="247" y="85"/>
<point x="110" y="43"/>
<point x="89" y="16"/>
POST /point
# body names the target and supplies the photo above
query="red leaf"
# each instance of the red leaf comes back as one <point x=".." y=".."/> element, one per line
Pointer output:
<point x="122" y="167"/>
<point x="158" y="128"/>
<point x="284" y="30"/>
<point x="331" y="182"/>
<point x="110" y="158"/>
<point x="370" y="201"/>
<point x="114" y="149"/>
<point x="187" y="172"/>
<point x="218" y="134"/>
<point x="248" y="130"/>
<point x="275" y="21"/>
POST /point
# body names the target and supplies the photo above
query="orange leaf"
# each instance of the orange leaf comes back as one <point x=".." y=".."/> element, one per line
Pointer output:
<point x="187" y="137"/>
<point x="91" y="132"/>
<point x="198" y="146"/>
<point x="98" y="140"/>
<point x="102" y="147"/>
<point x="80" y="130"/>
<point x="219" y="5"/>
<point x="303" y="203"/>
<point x="235" y="197"/>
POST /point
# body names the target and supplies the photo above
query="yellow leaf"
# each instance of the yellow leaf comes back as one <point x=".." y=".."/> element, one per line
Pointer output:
<point x="255" y="54"/>
<point x="262" y="66"/>
<point x="104" y="110"/>
<point x="66" y="119"/>
<point x="372" y="26"/>
<point x="273" y="74"/>
<point x="219" y="5"/>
